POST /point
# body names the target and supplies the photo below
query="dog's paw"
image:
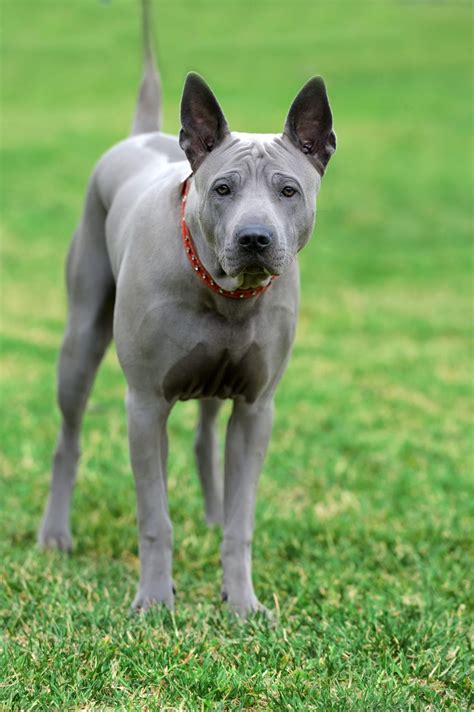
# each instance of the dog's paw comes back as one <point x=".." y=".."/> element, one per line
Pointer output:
<point x="144" y="600"/>
<point x="246" y="607"/>
<point x="52" y="538"/>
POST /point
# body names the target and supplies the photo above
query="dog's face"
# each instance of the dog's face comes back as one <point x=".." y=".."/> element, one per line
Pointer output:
<point x="256" y="193"/>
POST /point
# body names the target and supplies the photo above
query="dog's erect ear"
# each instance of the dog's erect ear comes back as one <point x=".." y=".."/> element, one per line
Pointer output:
<point x="309" y="124"/>
<point x="203" y="123"/>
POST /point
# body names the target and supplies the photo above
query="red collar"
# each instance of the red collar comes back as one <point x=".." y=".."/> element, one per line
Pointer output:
<point x="198" y="266"/>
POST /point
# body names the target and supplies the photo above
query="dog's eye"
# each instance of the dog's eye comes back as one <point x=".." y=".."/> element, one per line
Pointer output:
<point x="222" y="189"/>
<point x="288" y="191"/>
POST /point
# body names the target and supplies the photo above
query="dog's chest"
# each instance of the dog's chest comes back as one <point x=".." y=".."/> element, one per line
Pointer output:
<point x="223" y="373"/>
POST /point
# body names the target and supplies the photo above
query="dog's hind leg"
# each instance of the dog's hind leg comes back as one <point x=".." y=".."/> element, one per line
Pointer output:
<point x="91" y="292"/>
<point x="206" y="448"/>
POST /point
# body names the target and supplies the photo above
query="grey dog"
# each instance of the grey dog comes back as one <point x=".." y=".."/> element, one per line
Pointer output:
<point x="186" y="254"/>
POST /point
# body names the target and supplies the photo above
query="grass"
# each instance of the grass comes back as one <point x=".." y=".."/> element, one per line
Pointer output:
<point x="363" y="541"/>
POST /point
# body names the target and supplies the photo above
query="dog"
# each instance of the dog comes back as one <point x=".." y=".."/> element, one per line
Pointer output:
<point x="186" y="254"/>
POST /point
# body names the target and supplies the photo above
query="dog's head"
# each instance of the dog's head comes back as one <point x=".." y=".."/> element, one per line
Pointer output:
<point x="256" y="192"/>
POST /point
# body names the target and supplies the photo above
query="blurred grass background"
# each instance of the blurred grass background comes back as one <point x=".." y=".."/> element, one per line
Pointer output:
<point x="363" y="525"/>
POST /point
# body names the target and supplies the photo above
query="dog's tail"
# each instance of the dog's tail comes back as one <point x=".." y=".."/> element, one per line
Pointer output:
<point x="148" y="110"/>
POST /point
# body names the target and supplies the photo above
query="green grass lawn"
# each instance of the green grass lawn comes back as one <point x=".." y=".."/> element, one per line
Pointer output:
<point x="362" y="543"/>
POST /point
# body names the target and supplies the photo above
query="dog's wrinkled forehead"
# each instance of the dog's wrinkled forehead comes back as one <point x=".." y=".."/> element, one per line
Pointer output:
<point x="254" y="156"/>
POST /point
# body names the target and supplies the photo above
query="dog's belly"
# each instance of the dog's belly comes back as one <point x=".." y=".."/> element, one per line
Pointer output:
<point x="204" y="374"/>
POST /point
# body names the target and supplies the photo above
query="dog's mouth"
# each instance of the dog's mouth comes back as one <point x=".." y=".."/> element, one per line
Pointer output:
<point x="244" y="280"/>
<point x="251" y="280"/>
<point x="249" y="276"/>
<point x="249" y="272"/>
<point x="254" y="276"/>
<point x="256" y="269"/>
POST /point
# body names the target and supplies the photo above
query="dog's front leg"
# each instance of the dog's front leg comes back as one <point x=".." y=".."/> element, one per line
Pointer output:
<point x="147" y="416"/>
<point x="248" y="434"/>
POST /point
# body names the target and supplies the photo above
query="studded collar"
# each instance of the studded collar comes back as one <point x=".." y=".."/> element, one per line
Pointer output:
<point x="198" y="266"/>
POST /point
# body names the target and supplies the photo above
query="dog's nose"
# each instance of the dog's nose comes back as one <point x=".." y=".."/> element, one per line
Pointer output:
<point x="254" y="238"/>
